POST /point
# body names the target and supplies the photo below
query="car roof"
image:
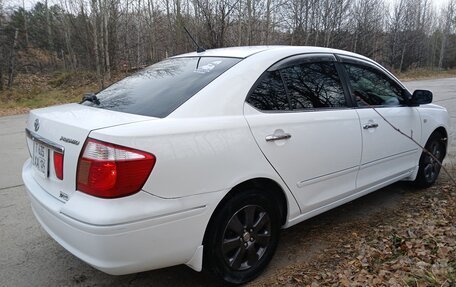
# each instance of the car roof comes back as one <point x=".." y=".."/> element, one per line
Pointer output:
<point x="235" y="52"/>
<point x="247" y="51"/>
<point x="232" y="86"/>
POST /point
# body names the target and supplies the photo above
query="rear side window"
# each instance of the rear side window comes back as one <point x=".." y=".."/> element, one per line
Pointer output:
<point x="314" y="85"/>
<point x="270" y="94"/>
<point x="161" y="88"/>
<point x="372" y="87"/>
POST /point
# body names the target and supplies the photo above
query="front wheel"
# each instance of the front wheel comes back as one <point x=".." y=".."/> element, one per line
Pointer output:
<point x="429" y="168"/>
<point x="242" y="237"/>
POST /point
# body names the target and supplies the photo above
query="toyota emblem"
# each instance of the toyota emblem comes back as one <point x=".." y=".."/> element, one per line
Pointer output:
<point x="37" y="125"/>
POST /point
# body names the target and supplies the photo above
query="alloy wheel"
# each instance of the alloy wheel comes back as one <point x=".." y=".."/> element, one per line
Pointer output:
<point x="246" y="237"/>
<point x="431" y="166"/>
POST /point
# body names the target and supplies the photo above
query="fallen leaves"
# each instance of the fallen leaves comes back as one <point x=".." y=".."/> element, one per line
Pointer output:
<point x="413" y="246"/>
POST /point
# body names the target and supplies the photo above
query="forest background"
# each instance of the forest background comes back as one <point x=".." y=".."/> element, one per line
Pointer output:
<point x="53" y="52"/>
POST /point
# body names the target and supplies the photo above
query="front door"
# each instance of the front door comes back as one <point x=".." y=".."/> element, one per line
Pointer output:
<point x="387" y="154"/>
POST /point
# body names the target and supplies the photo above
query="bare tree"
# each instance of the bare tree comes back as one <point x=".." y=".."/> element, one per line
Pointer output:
<point x="48" y="26"/>
<point x="448" y="16"/>
<point x="112" y="35"/>
<point x="95" y="43"/>
<point x="105" y="16"/>
<point x="2" y="56"/>
<point x="11" y="68"/>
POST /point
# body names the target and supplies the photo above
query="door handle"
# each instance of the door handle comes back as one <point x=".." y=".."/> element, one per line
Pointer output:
<point x="370" y="126"/>
<point x="274" y="137"/>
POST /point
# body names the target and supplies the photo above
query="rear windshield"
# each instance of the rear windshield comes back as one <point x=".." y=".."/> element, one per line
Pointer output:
<point x="159" y="89"/>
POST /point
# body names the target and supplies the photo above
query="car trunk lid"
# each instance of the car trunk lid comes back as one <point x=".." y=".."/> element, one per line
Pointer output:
<point x="64" y="129"/>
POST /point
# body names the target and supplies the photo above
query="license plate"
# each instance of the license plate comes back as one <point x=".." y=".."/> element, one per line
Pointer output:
<point x="41" y="159"/>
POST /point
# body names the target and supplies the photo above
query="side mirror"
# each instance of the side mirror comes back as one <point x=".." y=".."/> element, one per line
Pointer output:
<point x="421" y="97"/>
<point x="91" y="97"/>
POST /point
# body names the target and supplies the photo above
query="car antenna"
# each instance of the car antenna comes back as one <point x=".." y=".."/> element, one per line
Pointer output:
<point x="198" y="48"/>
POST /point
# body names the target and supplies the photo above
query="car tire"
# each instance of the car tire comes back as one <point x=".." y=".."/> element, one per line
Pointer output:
<point x="429" y="168"/>
<point x="242" y="237"/>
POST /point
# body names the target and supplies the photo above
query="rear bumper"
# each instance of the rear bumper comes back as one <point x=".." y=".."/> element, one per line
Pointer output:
<point x="140" y="243"/>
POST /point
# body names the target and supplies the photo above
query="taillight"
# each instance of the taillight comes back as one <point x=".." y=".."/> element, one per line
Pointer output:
<point x="58" y="164"/>
<point x="108" y="170"/>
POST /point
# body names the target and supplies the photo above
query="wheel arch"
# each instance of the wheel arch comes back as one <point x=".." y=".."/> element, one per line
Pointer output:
<point x="444" y="136"/>
<point x="267" y="185"/>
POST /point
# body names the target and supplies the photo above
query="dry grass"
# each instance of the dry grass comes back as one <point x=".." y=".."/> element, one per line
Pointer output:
<point x="421" y="74"/>
<point x="36" y="91"/>
<point x="32" y="91"/>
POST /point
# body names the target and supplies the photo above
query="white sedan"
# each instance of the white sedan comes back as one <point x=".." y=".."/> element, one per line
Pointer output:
<point x="202" y="158"/>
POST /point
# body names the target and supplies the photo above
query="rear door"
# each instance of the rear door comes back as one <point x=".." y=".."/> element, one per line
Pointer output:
<point x="301" y="120"/>
<point x="387" y="154"/>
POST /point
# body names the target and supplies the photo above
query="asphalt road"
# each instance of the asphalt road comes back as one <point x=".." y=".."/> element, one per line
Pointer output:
<point x="29" y="257"/>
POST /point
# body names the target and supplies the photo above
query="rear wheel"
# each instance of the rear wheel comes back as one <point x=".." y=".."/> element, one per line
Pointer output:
<point x="429" y="168"/>
<point x="242" y="237"/>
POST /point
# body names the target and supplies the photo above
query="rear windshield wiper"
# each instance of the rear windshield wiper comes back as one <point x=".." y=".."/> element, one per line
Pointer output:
<point x="91" y="97"/>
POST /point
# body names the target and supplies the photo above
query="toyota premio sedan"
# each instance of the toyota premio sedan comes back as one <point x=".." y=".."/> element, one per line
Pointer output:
<point x="203" y="158"/>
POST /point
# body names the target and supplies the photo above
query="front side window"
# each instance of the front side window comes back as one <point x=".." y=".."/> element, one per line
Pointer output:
<point x="314" y="85"/>
<point x="270" y="94"/>
<point x="159" y="89"/>
<point x="372" y="87"/>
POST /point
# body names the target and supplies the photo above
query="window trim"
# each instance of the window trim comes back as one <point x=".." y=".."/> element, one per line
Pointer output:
<point x="344" y="59"/>
<point x="351" y="102"/>
<point x="357" y="60"/>
<point x="302" y="59"/>
<point x="296" y="60"/>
